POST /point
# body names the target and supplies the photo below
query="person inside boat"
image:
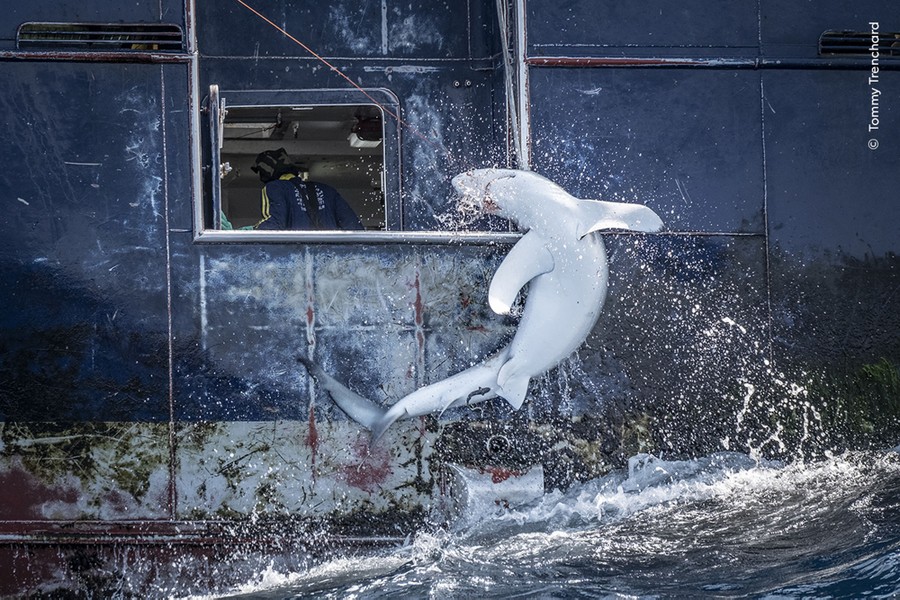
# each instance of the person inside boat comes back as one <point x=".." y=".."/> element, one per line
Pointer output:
<point x="288" y="202"/>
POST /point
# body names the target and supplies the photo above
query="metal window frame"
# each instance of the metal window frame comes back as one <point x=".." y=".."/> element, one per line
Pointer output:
<point x="218" y="101"/>
<point x="395" y="234"/>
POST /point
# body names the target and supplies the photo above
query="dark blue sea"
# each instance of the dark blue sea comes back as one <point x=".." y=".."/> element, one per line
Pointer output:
<point x="722" y="526"/>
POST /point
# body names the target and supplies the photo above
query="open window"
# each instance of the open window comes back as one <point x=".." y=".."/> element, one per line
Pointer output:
<point x="339" y="138"/>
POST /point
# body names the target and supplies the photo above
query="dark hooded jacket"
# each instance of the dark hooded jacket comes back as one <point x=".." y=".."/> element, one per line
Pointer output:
<point x="289" y="203"/>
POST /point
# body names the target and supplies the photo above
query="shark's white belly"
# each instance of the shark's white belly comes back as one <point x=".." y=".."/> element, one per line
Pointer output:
<point x="561" y="309"/>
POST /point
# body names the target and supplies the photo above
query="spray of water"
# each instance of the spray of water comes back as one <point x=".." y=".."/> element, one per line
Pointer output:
<point x="461" y="214"/>
<point x="722" y="523"/>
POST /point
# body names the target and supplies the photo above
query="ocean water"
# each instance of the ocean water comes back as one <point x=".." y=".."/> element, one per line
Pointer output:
<point x="722" y="526"/>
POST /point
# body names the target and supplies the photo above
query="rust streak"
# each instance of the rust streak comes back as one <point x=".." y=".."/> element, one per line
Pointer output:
<point x="501" y="474"/>
<point x="310" y="317"/>
<point x="419" y="316"/>
<point x="371" y="467"/>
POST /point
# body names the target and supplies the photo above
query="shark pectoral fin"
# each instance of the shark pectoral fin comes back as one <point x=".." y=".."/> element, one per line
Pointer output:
<point x="597" y="215"/>
<point x="363" y="411"/>
<point x="525" y="261"/>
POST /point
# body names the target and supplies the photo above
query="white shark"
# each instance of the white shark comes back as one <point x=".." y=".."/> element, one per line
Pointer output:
<point x="564" y="263"/>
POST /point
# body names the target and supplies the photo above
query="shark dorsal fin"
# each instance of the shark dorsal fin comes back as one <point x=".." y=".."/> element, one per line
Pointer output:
<point x="597" y="214"/>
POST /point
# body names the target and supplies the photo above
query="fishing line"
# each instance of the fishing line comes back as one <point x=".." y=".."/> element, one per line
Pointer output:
<point x="396" y="116"/>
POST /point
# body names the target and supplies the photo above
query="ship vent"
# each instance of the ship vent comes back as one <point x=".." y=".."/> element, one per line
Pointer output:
<point x="114" y="37"/>
<point x="859" y="43"/>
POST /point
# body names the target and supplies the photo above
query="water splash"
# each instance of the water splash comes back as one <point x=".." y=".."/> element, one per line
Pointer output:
<point x="461" y="214"/>
<point x="725" y="523"/>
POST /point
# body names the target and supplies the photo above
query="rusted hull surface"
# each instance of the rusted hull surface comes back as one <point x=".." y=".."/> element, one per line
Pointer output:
<point x="84" y="471"/>
<point x="383" y="320"/>
<point x="221" y="470"/>
<point x="290" y="470"/>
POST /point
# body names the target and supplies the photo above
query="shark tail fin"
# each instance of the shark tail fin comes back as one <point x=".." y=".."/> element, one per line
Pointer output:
<point x="362" y="410"/>
<point x="475" y="384"/>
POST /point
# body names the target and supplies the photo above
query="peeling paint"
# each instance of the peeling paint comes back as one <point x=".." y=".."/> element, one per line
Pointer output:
<point x="85" y="470"/>
<point x="411" y="32"/>
<point x="265" y="468"/>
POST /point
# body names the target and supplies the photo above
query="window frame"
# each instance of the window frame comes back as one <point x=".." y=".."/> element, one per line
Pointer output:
<point x="209" y="195"/>
<point x="202" y="133"/>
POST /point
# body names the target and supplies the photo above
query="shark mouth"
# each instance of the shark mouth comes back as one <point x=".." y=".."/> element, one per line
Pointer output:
<point x="474" y="201"/>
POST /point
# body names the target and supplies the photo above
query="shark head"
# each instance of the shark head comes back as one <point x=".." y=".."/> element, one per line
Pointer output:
<point x="520" y="196"/>
<point x="482" y="191"/>
<point x="534" y="202"/>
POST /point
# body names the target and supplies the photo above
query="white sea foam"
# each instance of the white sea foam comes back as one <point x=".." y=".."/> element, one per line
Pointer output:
<point x="703" y="512"/>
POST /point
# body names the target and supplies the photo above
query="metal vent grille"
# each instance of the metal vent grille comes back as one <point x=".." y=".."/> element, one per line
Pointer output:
<point x="137" y="37"/>
<point x="858" y="43"/>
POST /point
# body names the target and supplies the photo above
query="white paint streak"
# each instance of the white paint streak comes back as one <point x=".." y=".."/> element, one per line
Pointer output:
<point x="414" y="69"/>
<point x="203" y="316"/>
<point x="309" y="285"/>
<point x="682" y="189"/>
<point x="384" y="28"/>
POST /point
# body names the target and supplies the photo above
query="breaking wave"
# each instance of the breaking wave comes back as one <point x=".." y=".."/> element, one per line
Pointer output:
<point x="725" y="525"/>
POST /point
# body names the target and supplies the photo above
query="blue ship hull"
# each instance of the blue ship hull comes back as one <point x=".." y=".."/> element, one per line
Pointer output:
<point x="149" y="390"/>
